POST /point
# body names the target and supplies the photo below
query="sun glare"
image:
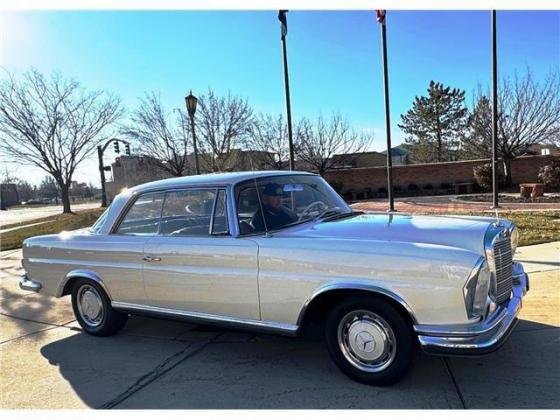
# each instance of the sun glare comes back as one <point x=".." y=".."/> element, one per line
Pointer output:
<point x="16" y="36"/>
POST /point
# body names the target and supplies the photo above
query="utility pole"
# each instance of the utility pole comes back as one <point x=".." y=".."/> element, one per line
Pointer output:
<point x="102" y="168"/>
<point x="381" y="18"/>
<point x="284" y="32"/>
<point x="495" y="203"/>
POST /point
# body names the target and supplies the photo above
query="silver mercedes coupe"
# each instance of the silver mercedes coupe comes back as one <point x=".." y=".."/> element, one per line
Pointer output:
<point x="277" y="251"/>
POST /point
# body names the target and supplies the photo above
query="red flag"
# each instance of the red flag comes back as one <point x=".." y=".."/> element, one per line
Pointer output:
<point x="380" y="14"/>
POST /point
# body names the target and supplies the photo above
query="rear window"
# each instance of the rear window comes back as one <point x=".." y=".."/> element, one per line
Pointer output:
<point x="143" y="217"/>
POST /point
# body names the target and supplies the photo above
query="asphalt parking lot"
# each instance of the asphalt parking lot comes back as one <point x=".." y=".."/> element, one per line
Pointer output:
<point x="47" y="362"/>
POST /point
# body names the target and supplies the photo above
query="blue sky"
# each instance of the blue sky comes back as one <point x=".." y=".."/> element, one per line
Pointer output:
<point x="334" y="56"/>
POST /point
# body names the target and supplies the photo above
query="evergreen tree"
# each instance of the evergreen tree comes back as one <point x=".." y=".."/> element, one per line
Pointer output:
<point x="435" y="123"/>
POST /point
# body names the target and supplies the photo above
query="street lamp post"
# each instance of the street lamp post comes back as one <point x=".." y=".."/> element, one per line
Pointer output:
<point x="191" y="102"/>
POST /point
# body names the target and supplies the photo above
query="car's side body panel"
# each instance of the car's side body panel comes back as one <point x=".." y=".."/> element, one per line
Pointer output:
<point x="116" y="260"/>
<point x="215" y="275"/>
<point x="293" y="269"/>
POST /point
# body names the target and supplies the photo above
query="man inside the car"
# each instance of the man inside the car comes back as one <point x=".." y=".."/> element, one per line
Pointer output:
<point x="276" y="215"/>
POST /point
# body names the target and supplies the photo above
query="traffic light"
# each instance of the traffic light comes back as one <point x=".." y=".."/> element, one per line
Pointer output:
<point x="127" y="148"/>
<point x="116" y="146"/>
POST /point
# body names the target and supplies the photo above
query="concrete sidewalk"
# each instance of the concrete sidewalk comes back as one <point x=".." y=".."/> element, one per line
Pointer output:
<point x="46" y="362"/>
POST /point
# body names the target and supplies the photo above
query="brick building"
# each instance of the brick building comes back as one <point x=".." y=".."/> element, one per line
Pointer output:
<point x="359" y="183"/>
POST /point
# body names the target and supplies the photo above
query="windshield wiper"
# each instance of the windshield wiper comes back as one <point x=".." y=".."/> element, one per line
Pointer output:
<point x="330" y="214"/>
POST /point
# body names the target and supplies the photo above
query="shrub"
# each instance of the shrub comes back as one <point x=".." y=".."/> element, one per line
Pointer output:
<point x="382" y="190"/>
<point x="428" y="187"/>
<point x="397" y="188"/>
<point x="413" y="187"/>
<point x="550" y="175"/>
<point x="445" y="186"/>
<point x="483" y="175"/>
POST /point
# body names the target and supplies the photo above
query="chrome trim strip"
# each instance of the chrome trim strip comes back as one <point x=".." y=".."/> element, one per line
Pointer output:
<point x="355" y="286"/>
<point x="480" y="338"/>
<point x="266" y="326"/>
<point x="25" y="283"/>
<point x="87" y="274"/>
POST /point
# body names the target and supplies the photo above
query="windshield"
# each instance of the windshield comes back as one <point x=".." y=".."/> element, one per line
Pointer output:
<point x="99" y="223"/>
<point x="276" y="202"/>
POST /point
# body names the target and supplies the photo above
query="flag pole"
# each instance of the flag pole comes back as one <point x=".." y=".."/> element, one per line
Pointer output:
<point x="495" y="204"/>
<point x="381" y="17"/>
<point x="284" y="31"/>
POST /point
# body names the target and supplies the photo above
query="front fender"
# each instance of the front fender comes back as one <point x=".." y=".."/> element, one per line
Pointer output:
<point x="355" y="286"/>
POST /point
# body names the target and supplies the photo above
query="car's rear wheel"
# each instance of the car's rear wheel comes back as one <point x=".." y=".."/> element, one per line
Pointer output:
<point x="93" y="310"/>
<point x="370" y="340"/>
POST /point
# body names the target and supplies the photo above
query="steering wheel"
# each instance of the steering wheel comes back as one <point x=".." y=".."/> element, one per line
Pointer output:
<point x="308" y="209"/>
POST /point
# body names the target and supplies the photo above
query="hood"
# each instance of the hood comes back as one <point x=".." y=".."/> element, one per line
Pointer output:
<point x="462" y="232"/>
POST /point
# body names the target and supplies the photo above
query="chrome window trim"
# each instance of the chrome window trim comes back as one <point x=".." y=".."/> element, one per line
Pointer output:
<point x="135" y="195"/>
<point x="268" y="233"/>
<point x="266" y="326"/>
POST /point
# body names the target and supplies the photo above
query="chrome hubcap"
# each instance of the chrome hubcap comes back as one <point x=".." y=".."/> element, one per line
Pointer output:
<point x="366" y="340"/>
<point x="90" y="305"/>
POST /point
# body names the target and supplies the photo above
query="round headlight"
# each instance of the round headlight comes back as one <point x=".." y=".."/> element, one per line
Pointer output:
<point x="477" y="290"/>
<point x="514" y="235"/>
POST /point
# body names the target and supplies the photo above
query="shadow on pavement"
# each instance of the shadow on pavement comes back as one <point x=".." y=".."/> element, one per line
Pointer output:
<point x="524" y="373"/>
<point x="240" y="370"/>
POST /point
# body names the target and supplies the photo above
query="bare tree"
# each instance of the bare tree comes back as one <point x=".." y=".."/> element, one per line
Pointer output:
<point x="317" y="143"/>
<point x="528" y="113"/>
<point x="159" y="135"/>
<point x="270" y="134"/>
<point x="52" y="123"/>
<point x="222" y="125"/>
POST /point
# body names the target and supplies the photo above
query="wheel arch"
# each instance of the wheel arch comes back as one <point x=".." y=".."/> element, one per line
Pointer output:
<point x="327" y="296"/>
<point x="74" y="275"/>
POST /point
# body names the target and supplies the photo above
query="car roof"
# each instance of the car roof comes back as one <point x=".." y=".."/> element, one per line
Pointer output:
<point x="215" y="179"/>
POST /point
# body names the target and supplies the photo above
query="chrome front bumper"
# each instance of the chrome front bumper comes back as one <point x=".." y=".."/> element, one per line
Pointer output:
<point x="483" y="337"/>
<point x="26" y="283"/>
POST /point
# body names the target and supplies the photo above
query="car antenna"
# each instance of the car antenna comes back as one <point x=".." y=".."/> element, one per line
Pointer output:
<point x="266" y="234"/>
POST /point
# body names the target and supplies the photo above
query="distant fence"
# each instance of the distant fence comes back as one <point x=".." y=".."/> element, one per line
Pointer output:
<point x="359" y="183"/>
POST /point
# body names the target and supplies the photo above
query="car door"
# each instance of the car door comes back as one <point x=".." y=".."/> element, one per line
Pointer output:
<point x="120" y="257"/>
<point x="194" y="264"/>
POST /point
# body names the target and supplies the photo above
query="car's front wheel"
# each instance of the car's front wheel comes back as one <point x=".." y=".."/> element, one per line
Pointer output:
<point x="93" y="310"/>
<point x="370" y="341"/>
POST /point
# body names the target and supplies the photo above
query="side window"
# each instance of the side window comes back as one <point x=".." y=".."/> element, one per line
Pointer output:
<point x="187" y="212"/>
<point x="220" y="226"/>
<point x="143" y="217"/>
<point x="248" y="210"/>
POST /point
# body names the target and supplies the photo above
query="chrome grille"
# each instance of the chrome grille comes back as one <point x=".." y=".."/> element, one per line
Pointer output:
<point x="503" y="262"/>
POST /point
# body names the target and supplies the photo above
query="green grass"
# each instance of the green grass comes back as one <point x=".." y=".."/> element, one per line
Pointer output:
<point x="13" y="239"/>
<point x="535" y="227"/>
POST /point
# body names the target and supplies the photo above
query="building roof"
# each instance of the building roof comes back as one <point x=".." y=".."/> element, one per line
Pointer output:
<point x="396" y="151"/>
<point x="218" y="179"/>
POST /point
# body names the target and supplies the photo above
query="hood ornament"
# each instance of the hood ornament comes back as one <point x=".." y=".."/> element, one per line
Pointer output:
<point x="497" y="223"/>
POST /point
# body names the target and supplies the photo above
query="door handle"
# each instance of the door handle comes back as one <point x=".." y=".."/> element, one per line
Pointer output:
<point x="147" y="258"/>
